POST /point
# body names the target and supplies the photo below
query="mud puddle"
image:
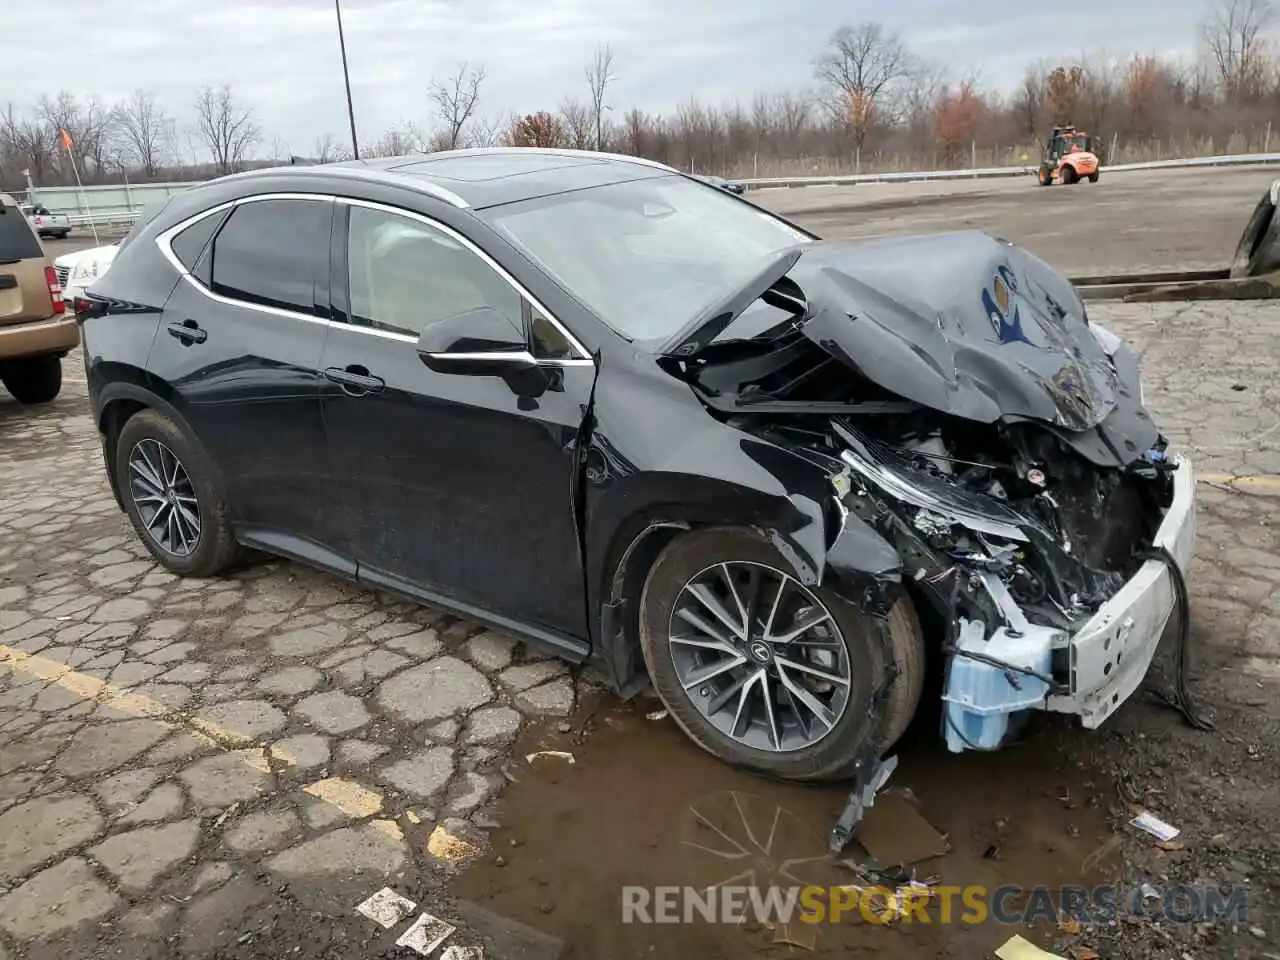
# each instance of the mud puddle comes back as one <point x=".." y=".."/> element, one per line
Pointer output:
<point x="641" y="806"/>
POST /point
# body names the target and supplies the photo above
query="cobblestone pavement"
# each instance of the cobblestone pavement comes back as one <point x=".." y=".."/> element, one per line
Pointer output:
<point x="181" y="758"/>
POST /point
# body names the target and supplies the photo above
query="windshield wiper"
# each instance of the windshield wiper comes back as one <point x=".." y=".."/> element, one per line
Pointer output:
<point x="694" y="336"/>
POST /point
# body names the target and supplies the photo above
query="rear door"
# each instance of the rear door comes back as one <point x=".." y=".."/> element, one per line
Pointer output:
<point x="238" y="348"/>
<point x="24" y="288"/>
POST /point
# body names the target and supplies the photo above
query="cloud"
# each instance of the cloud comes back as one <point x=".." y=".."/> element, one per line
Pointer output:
<point x="281" y="57"/>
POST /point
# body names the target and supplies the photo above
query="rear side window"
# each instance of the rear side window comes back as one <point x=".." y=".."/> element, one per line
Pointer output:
<point x="271" y="252"/>
<point x="190" y="245"/>
<point x="17" y="240"/>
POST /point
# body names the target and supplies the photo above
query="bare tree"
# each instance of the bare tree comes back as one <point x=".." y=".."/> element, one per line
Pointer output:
<point x="145" y="132"/>
<point x="456" y="100"/>
<point x="325" y="149"/>
<point x="859" y="66"/>
<point x="396" y="142"/>
<point x="31" y="140"/>
<point x="486" y="131"/>
<point x="576" y="117"/>
<point x="1029" y="101"/>
<point x="86" y="123"/>
<point x="599" y="75"/>
<point x="1233" y="34"/>
<point x="226" y="130"/>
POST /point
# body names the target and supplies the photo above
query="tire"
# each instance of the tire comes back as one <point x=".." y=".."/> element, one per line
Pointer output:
<point x="1045" y="178"/>
<point x="832" y="755"/>
<point x="33" y="379"/>
<point x="1093" y="177"/>
<point x="214" y="550"/>
<point x="1258" y="251"/>
<point x="1069" y="174"/>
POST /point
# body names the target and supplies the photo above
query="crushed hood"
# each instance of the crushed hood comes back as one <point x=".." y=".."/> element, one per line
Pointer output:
<point x="962" y="323"/>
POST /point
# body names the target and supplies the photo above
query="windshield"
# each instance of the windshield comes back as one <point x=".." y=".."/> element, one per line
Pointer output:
<point x="648" y="255"/>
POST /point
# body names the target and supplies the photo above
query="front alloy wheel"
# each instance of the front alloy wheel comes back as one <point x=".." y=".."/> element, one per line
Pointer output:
<point x="759" y="656"/>
<point x="164" y="497"/>
<point x="769" y="673"/>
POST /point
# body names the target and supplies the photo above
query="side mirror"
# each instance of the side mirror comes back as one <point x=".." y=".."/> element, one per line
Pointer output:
<point x="480" y="342"/>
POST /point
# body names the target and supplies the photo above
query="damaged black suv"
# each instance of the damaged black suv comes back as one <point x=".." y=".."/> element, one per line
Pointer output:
<point x="629" y="416"/>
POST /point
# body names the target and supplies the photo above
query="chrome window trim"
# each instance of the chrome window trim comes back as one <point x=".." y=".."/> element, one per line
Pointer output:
<point x="165" y="240"/>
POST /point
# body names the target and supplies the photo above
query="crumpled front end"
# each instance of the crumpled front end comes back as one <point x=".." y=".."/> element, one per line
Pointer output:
<point x="1047" y="573"/>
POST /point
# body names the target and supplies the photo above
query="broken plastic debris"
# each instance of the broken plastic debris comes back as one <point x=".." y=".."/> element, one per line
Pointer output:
<point x="459" y="952"/>
<point x="386" y="908"/>
<point x="1149" y="892"/>
<point x="445" y="846"/>
<point x="558" y="754"/>
<point x="1018" y="948"/>
<point x="426" y="934"/>
<point x="1154" y="826"/>
<point x="895" y="832"/>
<point x="657" y="715"/>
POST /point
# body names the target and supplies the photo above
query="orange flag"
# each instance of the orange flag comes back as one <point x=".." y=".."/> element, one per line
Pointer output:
<point x="66" y="139"/>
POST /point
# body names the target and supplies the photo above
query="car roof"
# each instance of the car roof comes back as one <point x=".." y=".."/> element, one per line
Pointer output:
<point x="486" y="177"/>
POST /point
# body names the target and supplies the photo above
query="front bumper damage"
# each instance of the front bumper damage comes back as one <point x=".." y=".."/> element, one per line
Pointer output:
<point x="1009" y="670"/>
<point x="1109" y="656"/>
<point x="1106" y="658"/>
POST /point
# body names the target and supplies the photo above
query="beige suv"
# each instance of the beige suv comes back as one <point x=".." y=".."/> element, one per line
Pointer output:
<point x="36" y="328"/>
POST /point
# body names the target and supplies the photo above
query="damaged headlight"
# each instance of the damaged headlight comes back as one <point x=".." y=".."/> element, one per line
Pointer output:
<point x="919" y="490"/>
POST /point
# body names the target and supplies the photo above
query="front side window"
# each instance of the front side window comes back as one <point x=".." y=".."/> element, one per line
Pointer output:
<point x="405" y="275"/>
<point x="270" y="251"/>
<point x="646" y="255"/>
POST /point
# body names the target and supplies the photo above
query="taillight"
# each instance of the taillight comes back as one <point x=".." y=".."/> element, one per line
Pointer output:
<point x="55" y="290"/>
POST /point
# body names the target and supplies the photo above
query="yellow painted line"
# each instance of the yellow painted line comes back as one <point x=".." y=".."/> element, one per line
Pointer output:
<point x="1264" y="482"/>
<point x="352" y="799"/>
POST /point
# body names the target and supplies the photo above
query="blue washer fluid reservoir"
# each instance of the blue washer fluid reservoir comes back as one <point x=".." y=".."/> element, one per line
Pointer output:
<point x="980" y="698"/>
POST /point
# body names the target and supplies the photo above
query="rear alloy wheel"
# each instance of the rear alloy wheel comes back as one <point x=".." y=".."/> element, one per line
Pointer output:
<point x="165" y="497"/>
<point x="171" y="496"/>
<point x="33" y="379"/>
<point x="760" y="669"/>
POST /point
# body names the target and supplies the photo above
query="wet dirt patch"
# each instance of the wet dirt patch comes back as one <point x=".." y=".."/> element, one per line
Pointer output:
<point x="641" y="806"/>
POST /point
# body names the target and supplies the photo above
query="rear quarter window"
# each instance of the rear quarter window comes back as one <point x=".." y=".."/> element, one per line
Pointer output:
<point x="17" y="240"/>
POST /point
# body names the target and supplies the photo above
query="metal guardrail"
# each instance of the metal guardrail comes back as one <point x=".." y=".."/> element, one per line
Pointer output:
<point x="118" y="217"/>
<point x="1241" y="159"/>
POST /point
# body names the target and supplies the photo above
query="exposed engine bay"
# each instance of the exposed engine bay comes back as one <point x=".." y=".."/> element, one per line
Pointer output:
<point x="991" y="434"/>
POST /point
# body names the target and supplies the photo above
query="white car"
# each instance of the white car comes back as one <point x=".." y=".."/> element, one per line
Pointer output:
<point x="77" y="270"/>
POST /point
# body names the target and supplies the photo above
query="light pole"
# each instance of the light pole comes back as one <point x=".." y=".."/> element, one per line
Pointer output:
<point x="346" y="78"/>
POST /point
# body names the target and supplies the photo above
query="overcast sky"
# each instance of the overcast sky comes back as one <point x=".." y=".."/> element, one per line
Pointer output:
<point x="281" y="56"/>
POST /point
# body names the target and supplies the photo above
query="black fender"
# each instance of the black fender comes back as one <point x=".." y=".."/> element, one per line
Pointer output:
<point x="127" y="397"/>
<point x="789" y="499"/>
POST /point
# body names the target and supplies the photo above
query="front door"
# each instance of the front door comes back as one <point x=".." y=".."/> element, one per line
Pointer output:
<point x="237" y="352"/>
<point x="458" y="487"/>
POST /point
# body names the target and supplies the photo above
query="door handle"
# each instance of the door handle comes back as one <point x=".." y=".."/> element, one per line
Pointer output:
<point x="355" y="380"/>
<point x="189" y="332"/>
